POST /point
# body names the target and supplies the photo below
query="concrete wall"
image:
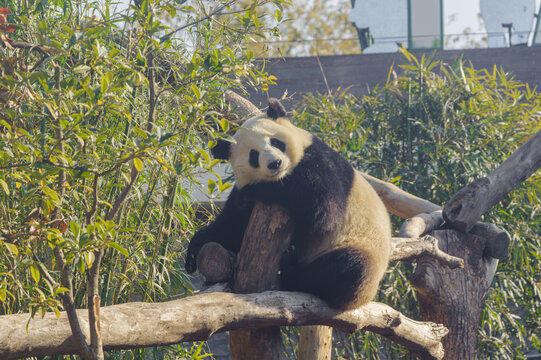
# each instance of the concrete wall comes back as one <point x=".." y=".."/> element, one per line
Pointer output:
<point x="362" y="72"/>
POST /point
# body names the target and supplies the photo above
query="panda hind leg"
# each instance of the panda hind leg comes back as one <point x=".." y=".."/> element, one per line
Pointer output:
<point x="335" y="277"/>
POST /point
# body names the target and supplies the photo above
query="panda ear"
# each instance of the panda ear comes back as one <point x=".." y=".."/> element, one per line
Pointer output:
<point x="276" y="109"/>
<point x="222" y="150"/>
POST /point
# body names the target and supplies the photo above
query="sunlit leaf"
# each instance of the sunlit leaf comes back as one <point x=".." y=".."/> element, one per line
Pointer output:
<point x="138" y="164"/>
<point x="4" y="186"/>
<point x="119" y="248"/>
<point x="12" y="248"/>
<point x="34" y="271"/>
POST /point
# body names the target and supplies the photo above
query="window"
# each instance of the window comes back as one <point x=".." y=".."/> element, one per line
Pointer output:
<point x="425" y="24"/>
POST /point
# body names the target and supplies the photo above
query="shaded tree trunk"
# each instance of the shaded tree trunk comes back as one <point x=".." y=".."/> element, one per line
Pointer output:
<point x="315" y="343"/>
<point x="455" y="297"/>
<point x="266" y="238"/>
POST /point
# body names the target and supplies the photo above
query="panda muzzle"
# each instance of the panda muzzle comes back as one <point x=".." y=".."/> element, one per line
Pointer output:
<point x="275" y="165"/>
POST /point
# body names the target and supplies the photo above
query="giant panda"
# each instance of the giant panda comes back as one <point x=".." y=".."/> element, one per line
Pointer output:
<point x="342" y="238"/>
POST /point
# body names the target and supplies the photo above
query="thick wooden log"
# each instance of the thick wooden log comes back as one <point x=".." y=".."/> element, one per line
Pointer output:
<point x="472" y="201"/>
<point x="497" y="240"/>
<point x="215" y="263"/>
<point x="266" y="238"/>
<point x="137" y="325"/>
<point x="420" y="224"/>
<point x="241" y="106"/>
<point x="315" y="343"/>
<point x="455" y="297"/>
<point x="399" y="202"/>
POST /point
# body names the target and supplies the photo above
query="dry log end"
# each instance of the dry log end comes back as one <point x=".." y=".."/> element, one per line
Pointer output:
<point x="215" y="263"/>
<point x="497" y="240"/>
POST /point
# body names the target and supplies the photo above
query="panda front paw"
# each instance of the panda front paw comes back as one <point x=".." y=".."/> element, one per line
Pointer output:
<point x="191" y="254"/>
<point x="289" y="257"/>
<point x="191" y="263"/>
<point x="288" y="264"/>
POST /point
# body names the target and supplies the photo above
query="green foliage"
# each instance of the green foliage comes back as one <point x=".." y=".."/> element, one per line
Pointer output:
<point x="104" y="121"/>
<point x="431" y="131"/>
<point x="311" y="27"/>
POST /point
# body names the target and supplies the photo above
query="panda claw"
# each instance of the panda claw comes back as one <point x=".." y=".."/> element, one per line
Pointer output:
<point x="190" y="265"/>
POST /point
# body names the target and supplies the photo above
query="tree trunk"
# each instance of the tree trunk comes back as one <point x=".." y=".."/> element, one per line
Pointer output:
<point x="266" y="238"/>
<point x="455" y="297"/>
<point x="315" y="343"/>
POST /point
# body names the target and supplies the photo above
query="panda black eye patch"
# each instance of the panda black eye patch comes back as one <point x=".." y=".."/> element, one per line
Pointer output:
<point x="254" y="158"/>
<point x="279" y="144"/>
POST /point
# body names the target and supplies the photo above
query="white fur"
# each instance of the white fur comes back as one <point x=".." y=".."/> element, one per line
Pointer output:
<point x="366" y="226"/>
<point x="255" y="135"/>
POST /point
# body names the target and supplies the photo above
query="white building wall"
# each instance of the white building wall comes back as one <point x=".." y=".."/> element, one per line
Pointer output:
<point x="387" y="20"/>
<point x="497" y="12"/>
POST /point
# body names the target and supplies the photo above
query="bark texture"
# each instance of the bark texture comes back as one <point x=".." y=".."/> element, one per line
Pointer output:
<point x="241" y="106"/>
<point x="315" y="343"/>
<point x="137" y="325"/>
<point x="455" y="297"/>
<point x="266" y="238"/>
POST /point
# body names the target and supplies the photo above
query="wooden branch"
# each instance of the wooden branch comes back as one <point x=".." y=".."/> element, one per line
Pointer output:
<point x="76" y="331"/>
<point x="216" y="264"/>
<point x="472" y="201"/>
<point x="398" y="201"/>
<point x="407" y="249"/>
<point x="315" y="343"/>
<point x="123" y="195"/>
<point x="421" y="224"/>
<point x="242" y="107"/>
<point x="408" y="206"/>
<point x="266" y="238"/>
<point x="43" y="49"/>
<point x="136" y="325"/>
<point x="93" y="301"/>
<point x="497" y="240"/>
<point x="66" y="275"/>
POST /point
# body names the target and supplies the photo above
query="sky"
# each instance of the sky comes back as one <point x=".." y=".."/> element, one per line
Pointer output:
<point x="459" y="16"/>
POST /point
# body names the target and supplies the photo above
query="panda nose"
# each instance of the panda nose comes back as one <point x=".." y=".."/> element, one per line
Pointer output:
<point x="275" y="164"/>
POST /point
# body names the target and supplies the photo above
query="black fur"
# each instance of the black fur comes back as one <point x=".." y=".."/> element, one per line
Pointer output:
<point x="315" y="195"/>
<point x="254" y="158"/>
<point x="276" y="109"/>
<point x="279" y="144"/>
<point x="334" y="276"/>
<point x="227" y="229"/>
<point x="222" y="149"/>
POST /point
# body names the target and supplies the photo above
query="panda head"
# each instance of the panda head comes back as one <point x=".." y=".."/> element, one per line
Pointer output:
<point x="266" y="149"/>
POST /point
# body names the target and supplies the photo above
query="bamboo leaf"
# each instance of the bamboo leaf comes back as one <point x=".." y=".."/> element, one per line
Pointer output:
<point x="5" y="186"/>
<point x="12" y="248"/>
<point x="119" y="248"/>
